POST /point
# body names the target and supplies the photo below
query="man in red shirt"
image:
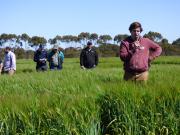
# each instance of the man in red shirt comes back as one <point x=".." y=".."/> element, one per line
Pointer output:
<point x="137" y="52"/>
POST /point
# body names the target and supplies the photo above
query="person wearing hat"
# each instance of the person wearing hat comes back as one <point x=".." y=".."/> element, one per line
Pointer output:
<point x="55" y="58"/>
<point x="9" y="64"/>
<point x="88" y="57"/>
<point x="137" y="52"/>
<point x="40" y="57"/>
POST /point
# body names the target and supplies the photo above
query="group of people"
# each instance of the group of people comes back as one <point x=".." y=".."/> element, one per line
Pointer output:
<point x="55" y="58"/>
<point x="136" y="52"/>
<point x="88" y="58"/>
<point x="8" y="65"/>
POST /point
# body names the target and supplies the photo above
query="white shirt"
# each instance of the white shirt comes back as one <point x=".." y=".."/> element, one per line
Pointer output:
<point x="9" y="61"/>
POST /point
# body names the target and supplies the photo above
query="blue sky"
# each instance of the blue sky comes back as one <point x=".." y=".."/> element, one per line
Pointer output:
<point x="49" y="18"/>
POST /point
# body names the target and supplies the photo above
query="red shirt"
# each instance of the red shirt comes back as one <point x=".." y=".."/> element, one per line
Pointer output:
<point x="136" y="59"/>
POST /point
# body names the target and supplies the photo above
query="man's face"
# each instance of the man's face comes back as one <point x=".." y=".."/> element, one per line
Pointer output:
<point x="89" y="46"/>
<point x="40" y="49"/>
<point x="135" y="33"/>
<point x="55" y="50"/>
<point x="7" y="50"/>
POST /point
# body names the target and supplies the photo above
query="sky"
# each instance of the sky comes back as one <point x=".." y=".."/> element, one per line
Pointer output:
<point x="49" y="18"/>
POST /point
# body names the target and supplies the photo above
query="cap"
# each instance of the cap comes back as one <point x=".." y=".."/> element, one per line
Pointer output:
<point x="89" y="43"/>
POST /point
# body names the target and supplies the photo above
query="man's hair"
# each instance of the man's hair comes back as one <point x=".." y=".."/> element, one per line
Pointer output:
<point x="135" y="25"/>
<point x="8" y="48"/>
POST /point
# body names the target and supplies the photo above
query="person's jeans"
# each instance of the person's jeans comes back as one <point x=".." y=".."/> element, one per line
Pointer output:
<point x="55" y="67"/>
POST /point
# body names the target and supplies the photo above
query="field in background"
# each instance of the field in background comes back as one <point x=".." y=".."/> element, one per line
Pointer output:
<point x="91" y="102"/>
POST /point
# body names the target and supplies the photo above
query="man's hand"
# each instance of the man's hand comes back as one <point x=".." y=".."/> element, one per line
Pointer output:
<point x="137" y="44"/>
<point x="151" y="58"/>
<point x="42" y="59"/>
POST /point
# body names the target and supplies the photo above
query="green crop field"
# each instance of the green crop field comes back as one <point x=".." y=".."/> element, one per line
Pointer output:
<point x="91" y="102"/>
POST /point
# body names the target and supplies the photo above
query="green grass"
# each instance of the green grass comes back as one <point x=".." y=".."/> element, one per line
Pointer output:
<point x="91" y="102"/>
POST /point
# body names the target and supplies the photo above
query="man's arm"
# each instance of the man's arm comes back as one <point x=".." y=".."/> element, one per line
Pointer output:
<point x="155" y="50"/>
<point x="124" y="52"/>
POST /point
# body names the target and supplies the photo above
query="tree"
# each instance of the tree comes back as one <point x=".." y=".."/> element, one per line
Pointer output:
<point x="66" y="38"/>
<point x="8" y="37"/>
<point x="50" y="41"/>
<point x="94" y="37"/>
<point x="3" y="38"/>
<point x="75" y="40"/>
<point x="176" y="42"/>
<point x="58" y="38"/>
<point x="70" y="39"/>
<point x="25" y="37"/>
<point x="120" y="37"/>
<point x="35" y="40"/>
<point x="155" y="36"/>
<point x="84" y="37"/>
<point x="165" y="46"/>
<point x="53" y="41"/>
<point x="104" y="38"/>
<point x="164" y="41"/>
<point x="108" y="50"/>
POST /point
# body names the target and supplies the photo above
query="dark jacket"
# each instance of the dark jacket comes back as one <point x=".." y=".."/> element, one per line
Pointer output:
<point x="136" y="59"/>
<point x="88" y="58"/>
<point x="40" y="58"/>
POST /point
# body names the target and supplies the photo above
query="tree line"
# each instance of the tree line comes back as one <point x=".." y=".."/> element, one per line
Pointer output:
<point x="106" y="45"/>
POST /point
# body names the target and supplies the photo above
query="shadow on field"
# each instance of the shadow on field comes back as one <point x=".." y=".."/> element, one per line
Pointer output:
<point x="27" y="70"/>
<point x="166" y="63"/>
